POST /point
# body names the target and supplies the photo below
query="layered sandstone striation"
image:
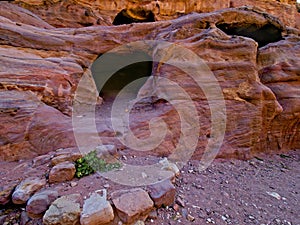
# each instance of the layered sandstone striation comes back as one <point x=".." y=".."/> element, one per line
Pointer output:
<point x="78" y="13"/>
<point x="44" y="53"/>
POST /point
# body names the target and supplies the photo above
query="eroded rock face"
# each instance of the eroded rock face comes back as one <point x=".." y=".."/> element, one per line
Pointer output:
<point x="27" y="129"/>
<point x="86" y="13"/>
<point x="41" y="67"/>
<point x="279" y="70"/>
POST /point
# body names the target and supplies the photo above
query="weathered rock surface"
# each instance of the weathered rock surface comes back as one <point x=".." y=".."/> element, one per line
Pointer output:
<point x="285" y="11"/>
<point x="279" y="70"/>
<point x="40" y="160"/>
<point x="6" y="192"/>
<point x="64" y="171"/>
<point x="162" y="193"/>
<point x="64" y="210"/>
<point x="26" y="127"/>
<point x="41" y="67"/>
<point x="71" y="157"/>
<point x="67" y="13"/>
<point x="86" y="13"/>
<point x="19" y="15"/>
<point x="24" y="218"/>
<point x="26" y="189"/>
<point x="40" y="202"/>
<point x="96" y="210"/>
<point x="132" y="205"/>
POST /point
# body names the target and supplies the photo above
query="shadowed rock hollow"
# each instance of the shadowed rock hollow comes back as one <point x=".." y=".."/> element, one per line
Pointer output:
<point x="46" y="48"/>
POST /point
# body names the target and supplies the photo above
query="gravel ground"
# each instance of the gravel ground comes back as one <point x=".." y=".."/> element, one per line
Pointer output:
<point x="260" y="191"/>
<point x="263" y="190"/>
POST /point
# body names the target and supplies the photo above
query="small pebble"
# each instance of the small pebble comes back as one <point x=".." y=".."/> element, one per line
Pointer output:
<point x="73" y="183"/>
<point x="210" y="220"/>
<point x="190" y="218"/>
<point x="180" y="202"/>
<point x="176" y="207"/>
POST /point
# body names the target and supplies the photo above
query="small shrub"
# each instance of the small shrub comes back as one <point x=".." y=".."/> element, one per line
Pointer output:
<point x="90" y="163"/>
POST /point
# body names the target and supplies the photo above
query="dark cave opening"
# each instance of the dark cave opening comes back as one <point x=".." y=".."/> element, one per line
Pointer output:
<point x="133" y="16"/>
<point x="135" y="69"/>
<point x="262" y="35"/>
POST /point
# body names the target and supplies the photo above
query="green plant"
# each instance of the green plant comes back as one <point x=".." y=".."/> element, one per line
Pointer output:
<point x="91" y="163"/>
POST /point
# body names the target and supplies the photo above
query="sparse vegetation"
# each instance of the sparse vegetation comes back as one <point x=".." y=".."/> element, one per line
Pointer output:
<point x="91" y="163"/>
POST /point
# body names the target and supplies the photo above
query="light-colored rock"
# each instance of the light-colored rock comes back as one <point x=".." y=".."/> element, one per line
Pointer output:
<point x="132" y="205"/>
<point x="26" y="189"/>
<point x="139" y="222"/>
<point x="64" y="171"/>
<point x="96" y="210"/>
<point x="162" y="193"/>
<point x="40" y="202"/>
<point x="166" y="165"/>
<point x="64" y="210"/>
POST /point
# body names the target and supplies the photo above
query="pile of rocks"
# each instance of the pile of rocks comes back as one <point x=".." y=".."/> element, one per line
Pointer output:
<point x="123" y="207"/>
<point x="42" y="200"/>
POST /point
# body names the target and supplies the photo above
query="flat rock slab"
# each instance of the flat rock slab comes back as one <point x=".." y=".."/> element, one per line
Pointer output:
<point x="26" y="189"/>
<point x="132" y="204"/>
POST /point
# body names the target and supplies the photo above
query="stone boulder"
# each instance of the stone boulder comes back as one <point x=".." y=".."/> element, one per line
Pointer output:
<point x="96" y="210"/>
<point x="6" y="192"/>
<point x="64" y="210"/>
<point x="67" y="157"/>
<point x="40" y="202"/>
<point x="61" y="172"/>
<point x="26" y="189"/>
<point x="132" y="205"/>
<point x="162" y="193"/>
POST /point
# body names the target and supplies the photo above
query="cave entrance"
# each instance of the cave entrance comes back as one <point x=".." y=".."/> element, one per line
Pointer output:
<point x="109" y="83"/>
<point x="127" y="16"/>
<point x="262" y="35"/>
